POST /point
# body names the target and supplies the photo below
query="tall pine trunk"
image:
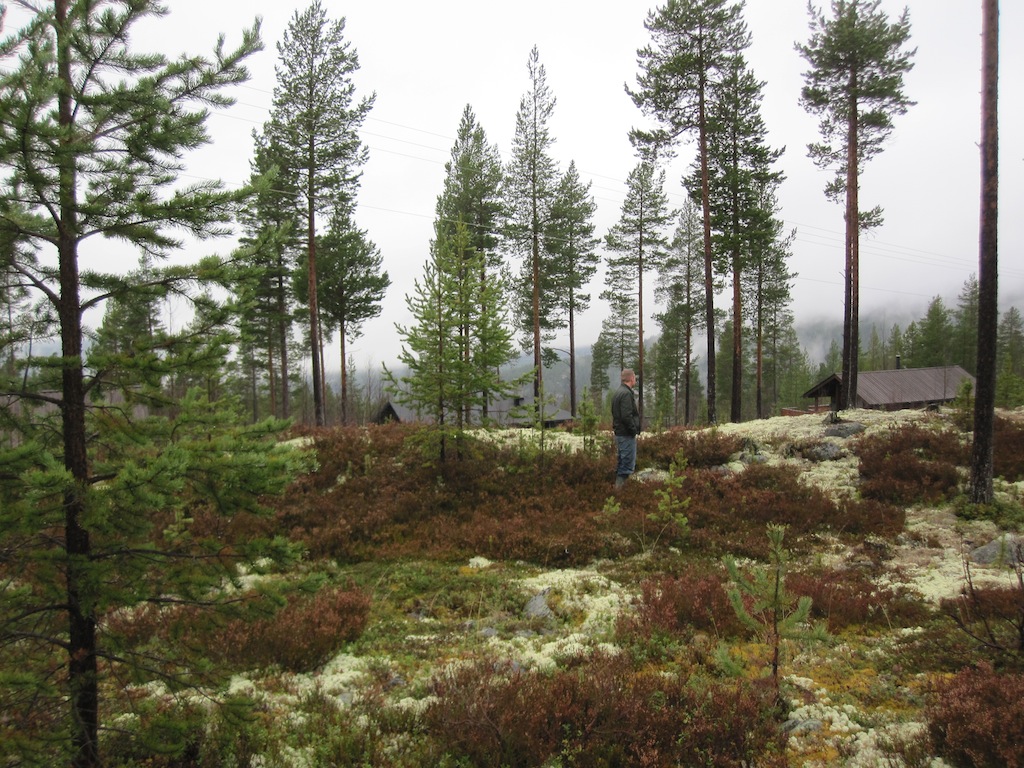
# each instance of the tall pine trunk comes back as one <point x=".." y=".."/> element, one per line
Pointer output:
<point x="82" y="668"/>
<point x="282" y="332"/>
<point x="344" y="377"/>
<point x="319" y="417"/>
<point x="988" y="293"/>
<point x="572" y="355"/>
<point x="851" y="316"/>
<point x="641" y="377"/>
<point x="736" y="403"/>
<point x="709" y="280"/>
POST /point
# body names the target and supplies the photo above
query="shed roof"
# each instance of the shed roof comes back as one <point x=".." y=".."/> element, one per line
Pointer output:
<point x="899" y="387"/>
<point x="911" y="385"/>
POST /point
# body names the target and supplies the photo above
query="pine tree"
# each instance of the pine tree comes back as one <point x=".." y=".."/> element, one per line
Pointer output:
<point x="692" y="45"/>
<point x="569" y="239"/>
<point x="458" y="342"/>
<point x="131" y="330"/>
<point x="530" y="182"/>
<point x="86" y="495"/>
<point x="855" y="84"/>
<point x="472" y="195"/>
<point x="314" y="124"/>
<point x="16" y="319"/>
<point x="473" y="190"/>
<point x="271" y="228"/>
<point x="352" y="286"/>
<point x="988" y="260"/>
<point x="638" y="241"/>
<point x="681" y="288"/>
<point x="767" y="284"/>
<point x="742" y="186"/>
<point x="620" y="329"/>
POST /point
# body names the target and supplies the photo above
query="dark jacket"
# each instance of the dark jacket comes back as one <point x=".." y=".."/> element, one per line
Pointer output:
<point x="625" y="414"/>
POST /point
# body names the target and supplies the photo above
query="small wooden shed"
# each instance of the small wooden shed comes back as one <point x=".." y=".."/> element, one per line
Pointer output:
<point x="896" y="389"/>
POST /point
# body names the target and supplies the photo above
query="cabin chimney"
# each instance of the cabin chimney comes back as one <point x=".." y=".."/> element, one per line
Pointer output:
<point x="899" y="364"/>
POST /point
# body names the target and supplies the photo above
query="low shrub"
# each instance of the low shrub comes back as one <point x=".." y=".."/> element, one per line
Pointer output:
<point x="546" y="507"/>
<point x="910" y="464"/>
<point x="850" y="598"/>
<point x="304" y="634"/>
<point x="977" y="719"/>
<point x="701" y="448"/>
<point x="1008" y="449"/>
<point x="865" y="517"/>
<point x="993" y="618"/>
<point x="692" y="601"/>
<point x="600" y="712"/>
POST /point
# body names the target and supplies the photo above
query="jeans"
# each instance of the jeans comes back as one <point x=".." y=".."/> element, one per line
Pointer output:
<point x="627" y="455"/>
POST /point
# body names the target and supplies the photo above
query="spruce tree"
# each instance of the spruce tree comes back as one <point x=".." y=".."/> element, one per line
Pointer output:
<point x="1010" y="350"/>
<point x="855" y="85"/>
<point x="1010" y="360"/>
<point x="92" y="135"/>
<point x="314" y="125"/>
<point x="965" y="326"/>
<point x="934" y="344"/>
<point x="787" y="372"/>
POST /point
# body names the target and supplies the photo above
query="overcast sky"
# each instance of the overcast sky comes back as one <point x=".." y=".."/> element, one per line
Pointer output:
<point x="427" y="60"/>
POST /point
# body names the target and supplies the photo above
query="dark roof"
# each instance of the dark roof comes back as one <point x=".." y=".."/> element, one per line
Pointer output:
<point x="513" y="411"/>
<point x="899" y="387"/>
<point x="911" y="385"/>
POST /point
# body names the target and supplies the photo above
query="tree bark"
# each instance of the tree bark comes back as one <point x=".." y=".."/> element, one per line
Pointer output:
<point x="851" y="337"/>
<point x="709" y="283"/>
<point x="988" y="289"/>
<point x="82" y="668"/>
<point x="319" y="417"/>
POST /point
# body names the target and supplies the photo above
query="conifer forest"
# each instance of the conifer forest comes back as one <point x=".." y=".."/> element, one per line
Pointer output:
<point x="226" y="542"/>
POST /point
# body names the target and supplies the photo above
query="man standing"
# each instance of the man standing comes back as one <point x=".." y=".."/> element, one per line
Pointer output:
<point x="626" y="425"/>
